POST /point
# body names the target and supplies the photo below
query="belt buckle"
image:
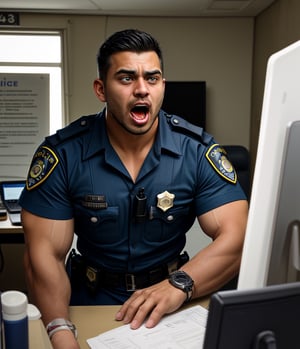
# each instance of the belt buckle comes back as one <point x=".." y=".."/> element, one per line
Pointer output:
<point x="130" y="282"/>
<point x="91" y="274"/>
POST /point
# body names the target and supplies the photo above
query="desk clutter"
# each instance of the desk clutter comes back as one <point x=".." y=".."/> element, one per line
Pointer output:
<point x="10" y="192"/>
<point x="15" y="314"/>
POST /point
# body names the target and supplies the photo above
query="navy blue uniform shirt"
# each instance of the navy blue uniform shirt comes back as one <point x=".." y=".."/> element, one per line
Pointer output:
<point x="77" y="174"/>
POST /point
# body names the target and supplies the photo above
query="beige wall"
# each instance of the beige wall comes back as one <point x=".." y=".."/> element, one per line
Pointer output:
<point x="275" y="28"/>
<point x="217" y="50"/>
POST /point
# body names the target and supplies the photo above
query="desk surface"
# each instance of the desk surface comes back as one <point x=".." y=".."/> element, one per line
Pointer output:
<point x="10" y="233"/>
<point x="90" y="322"/>
<point x="38" y="338"/>
<point x="93" y="320"/>
<point x="7" y="227"/>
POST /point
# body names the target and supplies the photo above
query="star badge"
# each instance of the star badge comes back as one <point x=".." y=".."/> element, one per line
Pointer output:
<point x="165" y="200"/>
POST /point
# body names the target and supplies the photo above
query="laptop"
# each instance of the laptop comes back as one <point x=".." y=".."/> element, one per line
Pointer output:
<point x="10" y="194"/>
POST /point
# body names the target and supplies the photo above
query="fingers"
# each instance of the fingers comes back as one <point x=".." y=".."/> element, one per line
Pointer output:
<point x="154" y="301"/>
<point x="130" y="307"/>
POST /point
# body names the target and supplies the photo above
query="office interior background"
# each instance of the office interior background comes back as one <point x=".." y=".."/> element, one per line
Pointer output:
<point x="228" y="52"/>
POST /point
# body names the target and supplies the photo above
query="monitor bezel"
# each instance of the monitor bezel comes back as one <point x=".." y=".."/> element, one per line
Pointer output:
<point x="242" y="311"/>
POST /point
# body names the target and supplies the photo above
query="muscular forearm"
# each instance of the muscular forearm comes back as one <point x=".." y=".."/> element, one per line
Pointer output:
<point x="47" y="243"/>
<point x="50" y="291"/>
<point x="48" y="287"/>
<point x="211" y="270"/>
<point x="219" y="262"/>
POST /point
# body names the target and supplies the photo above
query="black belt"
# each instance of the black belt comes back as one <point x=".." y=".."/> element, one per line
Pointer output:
<point x="96" y="278"/>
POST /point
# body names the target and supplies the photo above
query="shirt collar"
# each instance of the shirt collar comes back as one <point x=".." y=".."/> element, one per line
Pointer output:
<point x="166" y="136"/>
<point x="98" y="141"/>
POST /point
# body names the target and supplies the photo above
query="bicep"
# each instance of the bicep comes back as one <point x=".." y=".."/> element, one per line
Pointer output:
<point x="230" y="218"/>
<point x="43" y="235"/>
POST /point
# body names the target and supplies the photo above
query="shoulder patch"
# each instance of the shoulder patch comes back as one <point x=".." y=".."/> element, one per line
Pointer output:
<point x="43" y="163"/>
<point x="217" y="157"/>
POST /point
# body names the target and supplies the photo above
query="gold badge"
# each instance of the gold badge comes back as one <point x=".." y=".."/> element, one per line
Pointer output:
<point x="165" y="200"/>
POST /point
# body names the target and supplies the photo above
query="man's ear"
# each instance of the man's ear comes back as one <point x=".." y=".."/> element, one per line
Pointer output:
<point x="99" y="90"/>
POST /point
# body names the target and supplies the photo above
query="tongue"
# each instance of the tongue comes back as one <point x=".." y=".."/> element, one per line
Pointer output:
<point x="138" y="114"/>
<point x="139" y="117"/>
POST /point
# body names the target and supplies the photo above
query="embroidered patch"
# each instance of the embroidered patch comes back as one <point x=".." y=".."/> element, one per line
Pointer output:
<point x="217" y="157"/>
<point x="43" y="163"/>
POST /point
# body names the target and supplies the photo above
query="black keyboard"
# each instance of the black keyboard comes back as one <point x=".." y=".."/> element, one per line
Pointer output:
<point x="12" y="206"/>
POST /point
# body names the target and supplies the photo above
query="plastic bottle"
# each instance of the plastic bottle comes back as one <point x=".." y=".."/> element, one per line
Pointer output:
<point x="15" y="320"/>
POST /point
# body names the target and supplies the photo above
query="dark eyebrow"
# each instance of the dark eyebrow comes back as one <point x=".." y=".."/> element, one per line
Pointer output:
<point x="153" y="72"/>
<point x="133" y="72"/>
<point x="125" y="71"/>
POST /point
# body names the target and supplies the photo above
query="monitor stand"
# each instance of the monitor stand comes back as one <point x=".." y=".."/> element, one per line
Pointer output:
<point x="265" y="340"/>
<point x="284" y="260"/>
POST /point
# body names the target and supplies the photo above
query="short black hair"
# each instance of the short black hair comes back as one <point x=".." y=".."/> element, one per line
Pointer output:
<point x="132" y="40"/>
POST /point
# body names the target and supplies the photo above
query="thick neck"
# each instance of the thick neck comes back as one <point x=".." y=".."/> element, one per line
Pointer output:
<point x="131" y="149"/>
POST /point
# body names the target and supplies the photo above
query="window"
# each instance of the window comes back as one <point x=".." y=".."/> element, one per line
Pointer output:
<point x="31" y="61"/>
<point x="30" y="52"/>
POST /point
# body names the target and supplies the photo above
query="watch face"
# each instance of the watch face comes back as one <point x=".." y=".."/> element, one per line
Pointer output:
<point x="181" y="279"/>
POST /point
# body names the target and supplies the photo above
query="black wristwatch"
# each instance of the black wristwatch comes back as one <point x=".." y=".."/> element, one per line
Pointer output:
<point x="180" y="279"/>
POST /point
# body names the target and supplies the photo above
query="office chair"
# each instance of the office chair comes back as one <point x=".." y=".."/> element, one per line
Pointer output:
<point x="239" y="156"/>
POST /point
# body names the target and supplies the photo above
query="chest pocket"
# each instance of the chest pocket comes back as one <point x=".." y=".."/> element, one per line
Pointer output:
<point x="98" y="226"/>
<point x="169" y="225"/>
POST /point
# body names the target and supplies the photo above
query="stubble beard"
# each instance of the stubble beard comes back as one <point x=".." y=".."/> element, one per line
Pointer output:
<point x="137" y="130"/>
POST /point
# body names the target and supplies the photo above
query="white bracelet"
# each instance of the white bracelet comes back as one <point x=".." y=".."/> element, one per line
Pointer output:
<point x="59" y="325"/>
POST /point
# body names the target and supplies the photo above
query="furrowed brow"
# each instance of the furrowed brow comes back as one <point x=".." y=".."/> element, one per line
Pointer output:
<point x="153" y="72"/>
<point x="133" y="72"/>
<point x="126" y="71"/>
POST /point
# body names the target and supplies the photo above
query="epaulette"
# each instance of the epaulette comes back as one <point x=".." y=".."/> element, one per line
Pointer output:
<point x="181" y="125"/>
<point x="75" y="128"/>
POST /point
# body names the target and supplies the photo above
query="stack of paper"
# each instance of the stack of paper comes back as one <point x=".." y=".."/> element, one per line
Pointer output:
<point x="182" y="330"/>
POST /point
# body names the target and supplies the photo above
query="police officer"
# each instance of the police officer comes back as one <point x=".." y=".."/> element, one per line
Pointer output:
<point x="129" y="182"/>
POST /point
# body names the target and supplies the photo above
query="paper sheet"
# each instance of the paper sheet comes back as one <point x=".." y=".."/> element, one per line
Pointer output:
<point x="182" y="330"/>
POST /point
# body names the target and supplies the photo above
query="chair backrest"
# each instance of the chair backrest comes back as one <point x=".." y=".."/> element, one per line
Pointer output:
<point x="239" y="156"/>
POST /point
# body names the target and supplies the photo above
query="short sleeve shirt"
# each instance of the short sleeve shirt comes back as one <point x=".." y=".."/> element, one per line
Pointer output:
<point x="76" y="174"/>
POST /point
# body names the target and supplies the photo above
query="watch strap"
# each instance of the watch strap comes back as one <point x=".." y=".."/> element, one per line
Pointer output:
<point x="187" y="288"/>
<point x="60" y="324"/>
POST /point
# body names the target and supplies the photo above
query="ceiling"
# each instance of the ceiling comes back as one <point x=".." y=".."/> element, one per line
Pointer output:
<point x="182" y="8"/>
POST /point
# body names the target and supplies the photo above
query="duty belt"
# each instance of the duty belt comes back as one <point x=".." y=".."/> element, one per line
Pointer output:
<point x="96" y="278"/>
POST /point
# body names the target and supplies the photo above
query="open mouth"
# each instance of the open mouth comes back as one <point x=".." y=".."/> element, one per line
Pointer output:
<point x="140" y="113"/>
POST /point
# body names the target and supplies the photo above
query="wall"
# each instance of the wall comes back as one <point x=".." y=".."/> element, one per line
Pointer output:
<point x="275" y="28"/>
<point x="218" y="50"/>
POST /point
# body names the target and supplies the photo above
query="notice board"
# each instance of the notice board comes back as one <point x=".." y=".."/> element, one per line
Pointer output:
<point x="24" y="121"/>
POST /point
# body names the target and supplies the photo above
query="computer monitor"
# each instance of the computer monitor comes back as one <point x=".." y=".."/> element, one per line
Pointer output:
<point x="265" y="318"/>
<point x="186" y="99"/>
<point x="271" y="247"/>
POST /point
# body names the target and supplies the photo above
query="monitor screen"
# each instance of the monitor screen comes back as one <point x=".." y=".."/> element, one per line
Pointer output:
<point x="265" y="318"/>
<point x="11" y="191"/>
<point x="271" y="247"/>
<point x="186" y="99"/>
